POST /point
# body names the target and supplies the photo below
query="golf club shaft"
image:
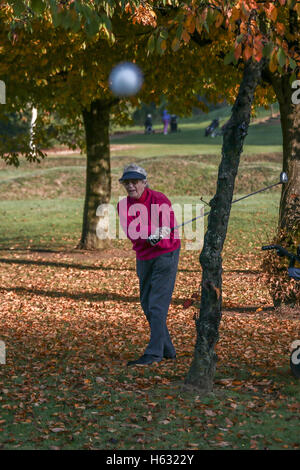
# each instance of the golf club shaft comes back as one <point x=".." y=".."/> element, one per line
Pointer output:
<point x="233" y="202"/>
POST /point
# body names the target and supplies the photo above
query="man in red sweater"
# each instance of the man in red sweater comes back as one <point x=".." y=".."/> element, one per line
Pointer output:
<point x="147" y="218"/>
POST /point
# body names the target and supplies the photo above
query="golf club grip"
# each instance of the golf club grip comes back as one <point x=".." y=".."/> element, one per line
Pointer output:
<point x="280" y="250"/>
<point x="270" y="247"/>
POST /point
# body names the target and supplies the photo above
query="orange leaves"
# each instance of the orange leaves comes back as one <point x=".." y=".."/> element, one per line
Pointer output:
<point x="185" y="36"/>
<point x="258" y="52"/>
<point x="190" y="23"/>
<point x="219" y="20"/>
<point x="242" y="20"/>
<point x="175" y="44"/>
<point x="247" y="47"/>
<point x="77" y="323"/>
<point x="247" y="52"/>
<point x="144" y="15"/>
<point x="235" y="13"/>
<point x="280" y="28"/>
<point x="271" y="11"/>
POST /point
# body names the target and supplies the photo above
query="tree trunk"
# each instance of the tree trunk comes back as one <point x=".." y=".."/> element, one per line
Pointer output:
<point x="282" y="289"/>
<point x="98" y="177"/>
<point x="203" y="367"/>
<point x="289" y="212"/>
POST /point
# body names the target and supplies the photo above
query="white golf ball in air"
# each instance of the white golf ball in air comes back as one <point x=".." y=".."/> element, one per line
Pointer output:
<point x="125" y="79"/>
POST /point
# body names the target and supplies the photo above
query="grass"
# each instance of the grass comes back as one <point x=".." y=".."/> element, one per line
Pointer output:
<point x="262" y="138"/>
<point x="71" y="320"/>
<point x="191" y="141"/>
<point x="179" y="421"/>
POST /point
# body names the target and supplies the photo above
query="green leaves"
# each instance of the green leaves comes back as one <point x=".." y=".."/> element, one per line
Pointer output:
<point x="151" y="43"/>
<point x="229" y="58"/>
<point x="281" y="57"/>
<point x="38" y="6"/>
<point x="18" y="7"/>
<point x="158" y="43"/>
<point x="268" y="48"/>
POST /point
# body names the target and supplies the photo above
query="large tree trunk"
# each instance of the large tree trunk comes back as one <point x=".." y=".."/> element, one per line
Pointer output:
<point x="282" y="289"/>
<point x="203" y="367"/>
<point x="289" y="213"/>
<point x="98" y="177"/>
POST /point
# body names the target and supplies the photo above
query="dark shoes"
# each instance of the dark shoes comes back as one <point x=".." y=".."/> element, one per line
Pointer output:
<point x="148" y="359"/>
<point x="145" y="360"/>
<point x="170" y="357"/>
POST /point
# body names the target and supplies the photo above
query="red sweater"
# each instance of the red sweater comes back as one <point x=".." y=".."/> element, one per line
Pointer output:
<point x="140" y="218"/>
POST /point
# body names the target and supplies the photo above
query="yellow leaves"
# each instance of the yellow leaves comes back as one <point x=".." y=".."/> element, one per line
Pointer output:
<point x="175" y="44"/>
<point x="198" y="25"/>
<point x="163" y="45"/>
<point x="190" y="24"/>
<point x="219" y="20"/>
<point x="41" y="81"/>
<point x="297" y="8"/>
<point x="235" y="14"/>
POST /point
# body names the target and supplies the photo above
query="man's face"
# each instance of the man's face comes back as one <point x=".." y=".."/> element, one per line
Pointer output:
<point x="134" y="188"/>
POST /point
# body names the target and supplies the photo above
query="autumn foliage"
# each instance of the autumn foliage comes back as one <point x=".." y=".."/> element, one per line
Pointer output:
<point x="70" y="325"/>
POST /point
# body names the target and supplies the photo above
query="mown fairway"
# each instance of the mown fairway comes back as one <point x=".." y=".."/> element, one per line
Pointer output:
<point x="72" y="319"/>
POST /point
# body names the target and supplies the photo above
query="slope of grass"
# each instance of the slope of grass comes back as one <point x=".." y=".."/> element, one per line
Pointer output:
<point x="71" y="320"/>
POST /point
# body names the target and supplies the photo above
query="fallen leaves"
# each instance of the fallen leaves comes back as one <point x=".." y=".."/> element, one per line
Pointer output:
<point x="70" y="330"/>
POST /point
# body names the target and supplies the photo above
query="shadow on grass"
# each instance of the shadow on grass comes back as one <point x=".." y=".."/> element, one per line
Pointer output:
<point x="56" y="264"/>
<point x="96" y="297"/>
<point x="113" y="296"/>
<point x="62" y="265"/>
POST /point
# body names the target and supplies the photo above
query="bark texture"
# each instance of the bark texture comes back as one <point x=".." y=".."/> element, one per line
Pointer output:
<point x="282" y="289"/>
<point x="202" y="371"/>
<point x="289" y="213"/>
<point x="98" y="177"/>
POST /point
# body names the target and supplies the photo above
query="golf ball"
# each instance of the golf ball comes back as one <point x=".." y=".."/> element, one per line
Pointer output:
<point x="125" y="79"/>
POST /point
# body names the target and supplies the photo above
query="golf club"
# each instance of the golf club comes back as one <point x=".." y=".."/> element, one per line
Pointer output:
<point x="282" y="180"/>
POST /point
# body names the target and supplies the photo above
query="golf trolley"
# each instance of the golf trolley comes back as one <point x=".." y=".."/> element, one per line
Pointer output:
<point x="294" y="273"/>
<point x="212" y="127"/>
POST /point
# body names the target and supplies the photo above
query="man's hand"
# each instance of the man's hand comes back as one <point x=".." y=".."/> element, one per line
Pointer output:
<point x="159" y="234"/>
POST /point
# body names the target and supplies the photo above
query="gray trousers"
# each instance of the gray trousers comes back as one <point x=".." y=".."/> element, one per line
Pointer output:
<point x="157" y="280"/>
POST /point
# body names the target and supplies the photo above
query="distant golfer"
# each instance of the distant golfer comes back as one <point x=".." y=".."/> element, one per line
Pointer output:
<point x="166" y="120"/>
<point x="146" y="217"/>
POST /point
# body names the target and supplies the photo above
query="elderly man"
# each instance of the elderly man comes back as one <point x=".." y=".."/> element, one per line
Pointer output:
<point x="147" y="219"/>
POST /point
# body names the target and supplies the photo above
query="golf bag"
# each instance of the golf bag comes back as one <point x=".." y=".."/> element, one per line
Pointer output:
<point x="149" y="130"/>
<point x="173" y="123"/>
<point x="211" y="128"/>
<point x="294" y="273"/>
<point x="148" y="125"/>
